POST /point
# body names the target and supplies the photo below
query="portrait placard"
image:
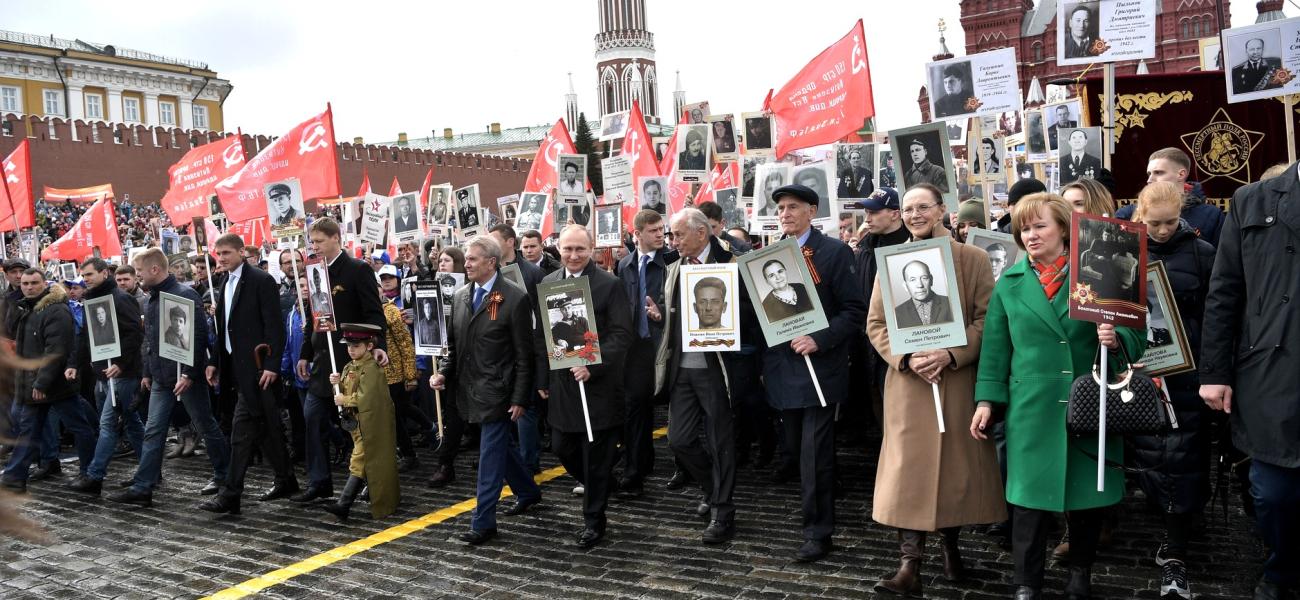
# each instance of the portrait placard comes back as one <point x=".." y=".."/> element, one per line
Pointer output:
<point x="782" y="292"/>
<point x="613" y="125"/>
<point x="1036" y="137"/>
<point x="1211" y="52"/>
<point x="722" y="129"/>
<point x="855" y="165"/>
<point x="214" y="207"/>
<point x="199" y="230"/>
<point x="439" y="199"/>
<point x="984" y="155"/>
<point x="571" y="176"/>
<point x="448" y="283"/>
<point x="1079" y="153"/>
<point x="1168" y="351"/>
<point x="609" y="225"/>
<point x="616" y="174"/>
<point x="924" y="156"/>
<point x="979" y="84"/>
<point x="818" y="176"/>
<point x="1001" y="248"/>
<point x="1061" y="115"/>
<point x="176" y="335"/>
<point x="568" y="323"/>
<point x="468" y="204"/>
<point x="758" y="133"/>
<point x="168" y="241"/>
<point x="67" y="271"/>
<point x="577" y="210"/>
<point x="430" y="326"/>
<point x="768" y="178"/>
<point x="653" y="193"/>
<point x="509" y="208"/>
<point x="696" y="112"/>
<point x="374" y="218"/>
<point x="886" y="175"/>
<point x="514" y="274"/>
<point x="532" y="206"/>
<point x="1103" y="31"/>
<point x="1262" y="60"/>
<point x="29" y="247"/>
<point x="919" y="291"/>
<point x="710" y="301"/>
<point x="320" y="294"/>
<point x="101" y="326"/>
<point x="408" y="226"/>
<point x="733" y="209"/>
<point x="1108" y="259"/>
<point x="749" y="172"/>
<point x="693" y="158"/>
<point x="285" y="212"/>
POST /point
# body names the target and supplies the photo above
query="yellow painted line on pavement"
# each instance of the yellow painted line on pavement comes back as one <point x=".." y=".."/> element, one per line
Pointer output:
<point x="396" y="532"/>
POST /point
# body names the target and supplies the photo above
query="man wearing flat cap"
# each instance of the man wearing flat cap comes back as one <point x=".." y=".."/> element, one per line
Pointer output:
<point x="809" y="426"/>
<point x="924" y="171"/>
<point x="283" y="212"/>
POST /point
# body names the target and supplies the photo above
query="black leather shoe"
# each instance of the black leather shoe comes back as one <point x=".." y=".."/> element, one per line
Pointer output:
<point x="475" y="537"/>
<point x="1267" y="590"/>
<point x="13" y="485"/>
<point x="313" y="492"/>
<point x="221" y="504"/>
<point x="211" y="488"/>
<point x="785" y="474"/>
<point x="86" y="485"/>
<point x="629" y="490"/>
<point x="278" y="491"/>
<point x="813" y="550"/>
<point x="1025" y="592"/>
<point x="520" y="507"/>
<point x="702" y="510"/>
<point x="679" y="480"/>
<point x="589" y="537"/>
<point x="128" y="482"/>
<point x="718" y="532"/>
<point x="408" y="463"/>
<point x="443" y="477"/>
<point x="46" y="470"/>
<point x="130" y="496"/>
<point x="1079" y="584"/>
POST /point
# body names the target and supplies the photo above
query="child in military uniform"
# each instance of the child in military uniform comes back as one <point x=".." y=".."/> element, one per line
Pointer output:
<point x="368" y="415"/>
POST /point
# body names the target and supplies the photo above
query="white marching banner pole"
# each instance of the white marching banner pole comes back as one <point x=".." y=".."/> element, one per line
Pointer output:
<point x="1101" y="422"/>
<point x="112" y="395"/>
<point x="938" y="406"/>
<point x="437" y="400"/>
<point x="586" y="413"/>
<point x="334" y="364"/>
<point x="817" y="385"/>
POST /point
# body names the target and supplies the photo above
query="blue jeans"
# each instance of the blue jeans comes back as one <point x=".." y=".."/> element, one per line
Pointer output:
<point x="31" y="420"/>
<point x="197" y="404"/>
<point x="1277" y="514"/>
<point x="109" y="413"/>
<point x="498" y="462"/>
<point x="529" y="438"/>
<point x="50" y="436"/>
<point x="318" y="412"/>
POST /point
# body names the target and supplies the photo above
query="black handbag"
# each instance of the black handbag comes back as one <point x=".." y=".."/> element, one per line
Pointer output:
<point x="1134" y="405"/>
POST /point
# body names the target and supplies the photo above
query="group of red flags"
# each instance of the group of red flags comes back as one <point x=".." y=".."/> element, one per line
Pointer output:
<point x="825" y="102"/>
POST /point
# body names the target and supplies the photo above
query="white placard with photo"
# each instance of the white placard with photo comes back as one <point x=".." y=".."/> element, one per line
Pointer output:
<point x="1103" y="31"/>
<point x="101" y="326"/>
<point x="532" y="205"/>
<point x="767" y="179"/>
<point x="374" y="218"/>
<point x="616" y="173"/>
<point x="722" y="129"/>
<point x="571" y="176"/>
<point x="1261" y="61"/>
<point x="710" y="307"/>
<point x="176" y="333"/>
<point x="609" y="225"/>
<point x="979" y="84"/>
<point x="653" y="194"/>
<point x="818" y="176"/>
<point x="405" y="218"/>
<point x="758" y="133"/>
<point x="693" y="156"/>
<point x="467" y="210"/>
<point x="439" y="201"/>
<point x="613" y="125"/>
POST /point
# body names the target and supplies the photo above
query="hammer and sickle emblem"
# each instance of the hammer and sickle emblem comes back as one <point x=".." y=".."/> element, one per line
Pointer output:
<point x="552" y="151"/>
<point x="859" y="58"/>
<point x="313" y="138"/>
<point x="635" y="153"/>
<point x="233" y="155"/>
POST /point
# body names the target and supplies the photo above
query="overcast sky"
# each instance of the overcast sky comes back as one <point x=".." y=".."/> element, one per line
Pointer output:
<point x="413" y="67"/>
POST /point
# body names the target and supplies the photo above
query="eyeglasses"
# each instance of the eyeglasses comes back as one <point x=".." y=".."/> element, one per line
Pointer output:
<point x="919" y="208"/>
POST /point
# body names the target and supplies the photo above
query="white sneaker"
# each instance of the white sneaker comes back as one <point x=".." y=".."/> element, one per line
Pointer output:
<point x="1173" y="581"/>
<point x="1162" y="554"/>
<point x="578" y="490"/>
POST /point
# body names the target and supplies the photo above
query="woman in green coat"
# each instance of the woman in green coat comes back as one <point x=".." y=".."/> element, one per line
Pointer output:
<point x="1031" y="353"/>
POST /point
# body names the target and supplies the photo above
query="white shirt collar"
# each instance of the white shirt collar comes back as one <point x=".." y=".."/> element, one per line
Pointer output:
<point x="239" y="271"/>
<point x="491" y="282"/>
<point x="651" y="254"/>
<point x="703" y="257"/>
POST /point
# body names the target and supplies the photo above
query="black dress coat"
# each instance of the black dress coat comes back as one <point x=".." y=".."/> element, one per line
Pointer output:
<point x="355" y="292"/>
<point x="254" y="320"/>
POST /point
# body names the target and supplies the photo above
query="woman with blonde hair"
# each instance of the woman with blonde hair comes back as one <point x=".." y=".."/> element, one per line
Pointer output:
<point x="1089" y="196"/>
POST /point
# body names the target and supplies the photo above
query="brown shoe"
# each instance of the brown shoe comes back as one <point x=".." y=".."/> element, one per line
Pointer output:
<point x="907" y="581"/>
<point x="442" y="477"/>
<point x="953" y="570"/>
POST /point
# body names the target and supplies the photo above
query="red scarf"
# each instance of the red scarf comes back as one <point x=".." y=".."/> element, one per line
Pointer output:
<point x="1052" y="275"/>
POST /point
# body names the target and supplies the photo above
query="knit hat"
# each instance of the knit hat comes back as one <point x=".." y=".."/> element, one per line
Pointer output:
<point x="1107" y="180"/>
<point x="1022" y="188"/>
<point x="971" y="210"/>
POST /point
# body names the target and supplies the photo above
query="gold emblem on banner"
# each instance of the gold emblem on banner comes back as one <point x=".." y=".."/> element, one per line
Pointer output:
<point x="1132" y="110"/>
<point x="1222" y="148"/>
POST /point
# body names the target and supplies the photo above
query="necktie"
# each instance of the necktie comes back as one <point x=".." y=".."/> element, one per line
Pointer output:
<point x="643" y="320"/>
<point x="694" y="260"/>
<point x="230" y="299"/>
<point x="479" y="292"/>
<point x="923" y="311"/>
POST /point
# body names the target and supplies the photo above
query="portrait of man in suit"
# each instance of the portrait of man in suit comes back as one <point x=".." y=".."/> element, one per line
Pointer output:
<point x="758" y="133"/>
<point x="988" y="161"/>
<point x="854" y="173"/>
<point x="405" y="218"/>
<point x="466" y="208"/>
<point x="1061" y="117"/>
<point x="102" y="332"/>
<point x="1255" y="74"/>
<point x="1078" y="160"/>
<point x="1080" y="31"/>
<point x="923" y="306"/>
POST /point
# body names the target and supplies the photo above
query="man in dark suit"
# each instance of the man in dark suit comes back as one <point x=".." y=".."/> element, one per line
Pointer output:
<point x="1256" y="72"/>
<point x="591" y="463"/>
<point x="1081" y="30"/>
<point x="492" y="362"/>
<point x="355" y="297"/>
<point x="530" y="245"/>
<point x="529" y="435"/>
<point x="406" y="219"/>
<point x="923" y="306"/>
<point x="248" y="316"/>
<point x="855" y="181"/>
<point x="809" y="426"/>
<point x="642" y="273"/>
<point x="1078" y="164"/>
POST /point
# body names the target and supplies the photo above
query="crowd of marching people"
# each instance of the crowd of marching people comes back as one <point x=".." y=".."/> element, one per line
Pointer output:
<point x="338" y="415"/>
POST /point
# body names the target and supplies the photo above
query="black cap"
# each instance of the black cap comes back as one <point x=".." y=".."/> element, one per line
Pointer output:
<point x="279" y="189"/>
<point x="1022" y="188"/>
<point x="16" y="263"/>
<point x="801" y="192"/>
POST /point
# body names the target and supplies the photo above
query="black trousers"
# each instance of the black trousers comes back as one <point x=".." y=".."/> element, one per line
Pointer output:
<point x="638" y="430"/>
<point x="404" y="408"/>
<point x="810" y="439"/>
<point x="755" y="418"/>
<point x="699" y="399"/>
<point x="592" y="464"/>
<point x="256" y="423"/>
<point x="1029" y="529"/>
<point x="453" y="428"/>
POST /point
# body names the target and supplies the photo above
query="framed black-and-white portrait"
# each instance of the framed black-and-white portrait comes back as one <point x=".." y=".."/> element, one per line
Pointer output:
<point x="571" y="176"/>
<point x="68" y="271"/>
<point x="576" y="211"/>
<point x="733" y="209"/>
<point x="168" y="241"/>
<point x="980" y="84"/>
<point x="758" y="133"/>
<point x="468" y="204"/>
<point x="693" y="157"/>
<point x="749" y="172"/>
<point x="439" y="201"/>
<point x="286" y="215"/>
<point x="448" y="283"/>
<point x="320" y="296"/>
<point x="1079" y="153"/>
<point x="768" y="178"/>
<point x="1061" y="115"/>
<point x="652" y="193"/>
<point x="1168" y="351"/>
<point x="176" y="328"/>
<point x="696" y="112"/>
<point x="855" y="179"/>
<point x="886" y="175"/>
<point x="609" y="225"/>
<point x="782" y="291"/>
<point x="613" y="125"/>
<point x="568" y="322"/>
<point x="430" y="322"/>
<point x="1102" y="31"/>
<point x="532" y="207"/>
<point x="661" y="146"/>
<point x="1036" y="144"/>
<point x="1260" y="61"/>
<point x="923" y="155"/>
<point x="101" y="326"/>
<point x="919" y="291"/>
<point x="722" y="130"/>
<point x="214" y="206"/>
<point x="405" y="217"/>
<point x="1001" y="248"/>
<point x="1108" y="270"/>
<point x="710" y="304"/>
<point x="984" y="156"/>
<point x="818" y="177"/>
<point x="952" y="88"/>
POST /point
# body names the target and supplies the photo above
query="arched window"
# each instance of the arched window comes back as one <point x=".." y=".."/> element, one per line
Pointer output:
<point x="1038" y="52"/>
<point x="1184" y="25"/>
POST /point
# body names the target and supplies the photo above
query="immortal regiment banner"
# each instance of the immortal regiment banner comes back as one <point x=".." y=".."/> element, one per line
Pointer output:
<point x="981" y="84"/>
<point x="85" y="195"/>
<point x="1261" y="61"/>
<point x="95" y="231"/>
<point x="305" y="152"/>
<point x="18" y="209"/>
<point x="195" y="176"/>
<point x="1230" y="144"/>
<point x="1102" y="31"/>
<point x="542" y="176"/>
<point x="827" y="100"/>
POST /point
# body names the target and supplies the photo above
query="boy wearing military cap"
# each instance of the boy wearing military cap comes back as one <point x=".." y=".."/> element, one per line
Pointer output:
<point x="368" y="415"/>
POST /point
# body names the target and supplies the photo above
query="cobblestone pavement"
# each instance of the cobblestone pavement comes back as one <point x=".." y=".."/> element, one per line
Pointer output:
<point x="652" y="549"/>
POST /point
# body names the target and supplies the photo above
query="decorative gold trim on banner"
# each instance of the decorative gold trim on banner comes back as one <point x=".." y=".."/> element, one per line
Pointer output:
<point x="1128" y="108"/>
<point x="1222" y="148"/>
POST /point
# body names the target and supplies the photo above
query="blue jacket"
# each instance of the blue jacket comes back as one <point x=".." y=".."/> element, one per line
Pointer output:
<point x="293" y="347"/>
<point x="162" y="370"/>
<point x="1206" y="220"/>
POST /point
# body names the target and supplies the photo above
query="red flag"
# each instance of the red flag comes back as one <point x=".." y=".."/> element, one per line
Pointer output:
<point x="395" y="188"/>
<point x="97" y="229"/>
<point x="305" y="152"/>
<point x="424" y="191"/>
<point x="828" y="99"/>
<point x="213" y="233"/>
<point x="253" y="231"/>
<point x="542" y="175"/>
<point x="677" y="190"/>
<point x="365" y="183"/>
<point x="20" y="210"/>
<point x="637" y="147"/>
<point x="724" y="175"/>
<point x="81" y="196"/>
<point x="195" y="177"/>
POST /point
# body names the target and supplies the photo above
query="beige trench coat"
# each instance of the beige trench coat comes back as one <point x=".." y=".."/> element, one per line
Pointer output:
<point x="927" y="480"/>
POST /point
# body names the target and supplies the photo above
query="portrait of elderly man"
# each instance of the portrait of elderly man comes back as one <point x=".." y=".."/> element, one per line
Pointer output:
<point x="923" y="306"/>
<point x="1081" y="31"/>
<point x="405" y="218"/>
<point x="1256" y="72"/>
<point x="709" y="302"/>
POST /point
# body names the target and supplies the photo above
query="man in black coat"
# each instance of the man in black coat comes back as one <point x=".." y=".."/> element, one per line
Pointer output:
<point x="491" y="343"/>
<point x="44" y="329"/>
<point x="591" y="463"/>
<point x="884" y="228"/>
<point x="642" y="273"/>
<point x="123" y="374"/>
<point x="355" y="294"/>
<point x="1249" y="341"/>
<point x="248" y="316"/>
<point x="529" y="434"/>
<point x="530" y="245"/>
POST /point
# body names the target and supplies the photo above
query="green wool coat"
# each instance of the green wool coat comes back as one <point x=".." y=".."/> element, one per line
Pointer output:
<point x="1031" y="353"/>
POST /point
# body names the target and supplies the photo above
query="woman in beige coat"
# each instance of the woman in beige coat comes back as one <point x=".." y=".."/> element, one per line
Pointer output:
<point x="926" y="480"/>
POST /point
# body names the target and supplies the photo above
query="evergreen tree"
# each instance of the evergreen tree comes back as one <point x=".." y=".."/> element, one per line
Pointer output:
<point x="585" y="143"/>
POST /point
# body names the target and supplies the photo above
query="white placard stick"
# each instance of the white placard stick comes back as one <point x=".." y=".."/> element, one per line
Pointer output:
<point x="586" y="414"/>
<point x="334" y="365"/>
<point x="1101" y="422"/>
<point x="938" y="405"/>
<point x="293" y="281"/>
<point x="817" y="385"/>
<point x="178" y="378"/>
<point x="112" y="396"/>
<point x="437" y="400"/>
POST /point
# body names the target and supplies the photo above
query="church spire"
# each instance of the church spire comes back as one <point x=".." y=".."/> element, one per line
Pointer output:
<point x="571" y="106"/>
<point x="944" y="53"/>
<point x="679" y="100"/>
